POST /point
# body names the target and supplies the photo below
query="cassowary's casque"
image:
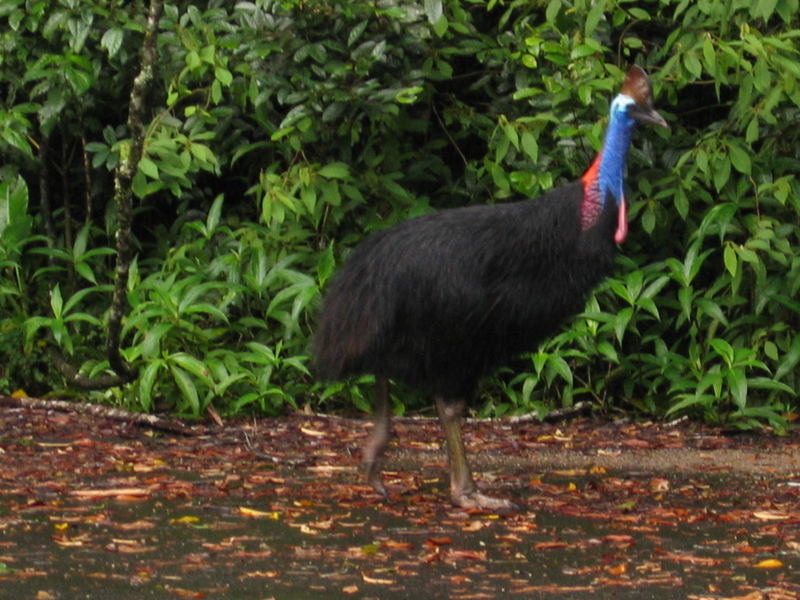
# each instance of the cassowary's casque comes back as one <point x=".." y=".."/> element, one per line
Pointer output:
<point x="440" y="300"/>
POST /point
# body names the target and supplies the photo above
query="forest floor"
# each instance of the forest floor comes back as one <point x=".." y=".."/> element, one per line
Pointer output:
<point x="94" y="507"/>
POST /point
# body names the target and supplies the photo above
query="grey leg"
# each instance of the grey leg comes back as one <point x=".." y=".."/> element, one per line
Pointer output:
<point x="378" y="437"/>
<point x="463" y="490"/>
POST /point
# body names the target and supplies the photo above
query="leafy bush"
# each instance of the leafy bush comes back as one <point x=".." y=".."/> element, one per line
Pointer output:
<point x="279" y="133"/>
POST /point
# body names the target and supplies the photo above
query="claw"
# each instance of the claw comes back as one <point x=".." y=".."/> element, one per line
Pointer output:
<point x="480" y="501"/>
<point x="374" y="478"/>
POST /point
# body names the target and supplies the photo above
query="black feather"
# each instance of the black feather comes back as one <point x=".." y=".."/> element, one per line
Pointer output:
<point x="440" y="300"/>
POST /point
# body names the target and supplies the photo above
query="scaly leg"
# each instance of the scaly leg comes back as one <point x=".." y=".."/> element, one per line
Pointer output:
<point x="463" y="490"/>
<point x="378" y="437"/>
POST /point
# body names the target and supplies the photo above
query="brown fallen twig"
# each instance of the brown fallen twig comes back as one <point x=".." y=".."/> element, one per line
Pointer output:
<point x="108" y="412"/>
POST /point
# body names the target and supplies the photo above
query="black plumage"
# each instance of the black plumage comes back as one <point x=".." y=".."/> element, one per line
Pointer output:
<point x="440" y="300"/>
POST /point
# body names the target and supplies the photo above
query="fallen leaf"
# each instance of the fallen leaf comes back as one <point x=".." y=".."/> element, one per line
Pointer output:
<point x="109" y="493"/>
<point x="659" y="484"/>
<point x="683" y="557"/>
<point x="619" y="569"/>
<point x="569" y="472"/>
<point x="549" y="545"/>
<point x="313" y="432"/>
<point x="770" y="515"/>
<point x="70" y="542"/>
<point x="331" y="468"/>
<point x="376" y="580"/>
<point x="186" y="519"/>
<point x="251" y="512"/>
<point x="259" y="574"/>
<point x="184" y="593"/>
<point x="470" y="554"/>
<point x="621" y="538"/>
<point x="769" y="563"/>
<point x="393" y="544"/>
<point x="750" y="596"/>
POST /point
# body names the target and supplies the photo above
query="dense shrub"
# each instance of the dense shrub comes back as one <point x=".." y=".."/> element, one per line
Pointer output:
<point x="279" y="133"/>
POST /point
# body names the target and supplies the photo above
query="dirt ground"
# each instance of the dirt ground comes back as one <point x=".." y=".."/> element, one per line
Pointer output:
<point x="95" y="507"/>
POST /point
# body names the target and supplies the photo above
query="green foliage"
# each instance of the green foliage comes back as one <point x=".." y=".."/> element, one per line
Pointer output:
<point x="280" y="133"/>
<point x="702" y="317"/>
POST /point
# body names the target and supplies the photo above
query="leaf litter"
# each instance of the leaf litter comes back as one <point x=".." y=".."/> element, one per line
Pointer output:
<point x="277" y="508"/>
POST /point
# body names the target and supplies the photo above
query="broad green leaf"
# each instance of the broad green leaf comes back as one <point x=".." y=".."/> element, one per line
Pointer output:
<point x="187" y="388"/>
<point x="56" y="302"/>
<point x="146" y="383"/>
<point x="151" y="344"/>
<point x="621" y="321"/>
<point x="558" y="365"/>
<point x="553" y="8"/>
<point x="356" y="32"/>
<point x="722" y="171"/>
<point x="511" y="133"/>
<point x="607" y="350"/>
<point x="763" y="8"/>
<point x="692" y="64"/>
<point x="212" y="220"/>
<point x="15" y="223"/>
<point x="737" y="383"/>
<point x="723" y="349"/>
<point x="739" y="158"/>
<point x="441" y="26"/>
<point x="335" y="170"/>
<point x="530" y="146"/>
<point x="148" y="167"/>
<point x="433" y="10"/>
<point x="709" y="56"/>
<point x="326" y="265"/>
<point x="216" y="91"/>
<point x="711" y="309"/>
<point x="790" y="360"/>
<point x="191" y="364"/>
<point x="224" y="76"/>
<point x="730" y="259"/>
<point x="593" y="17"/>
<point x="112" y="41"/>
<point x="85" y="271"/>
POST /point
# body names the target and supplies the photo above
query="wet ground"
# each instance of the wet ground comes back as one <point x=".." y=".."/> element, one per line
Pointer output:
<point x="94" y="508"/>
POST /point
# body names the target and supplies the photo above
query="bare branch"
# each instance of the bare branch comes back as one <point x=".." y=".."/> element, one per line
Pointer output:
<point x="123" y="193"/>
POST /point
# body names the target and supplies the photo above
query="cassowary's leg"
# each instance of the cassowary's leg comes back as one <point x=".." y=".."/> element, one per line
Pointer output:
<point x="378" y="437"/>
<point x="463" y="490"/>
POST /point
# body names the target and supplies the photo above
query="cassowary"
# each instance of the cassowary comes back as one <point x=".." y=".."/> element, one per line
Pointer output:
<point x="440" y="300"/>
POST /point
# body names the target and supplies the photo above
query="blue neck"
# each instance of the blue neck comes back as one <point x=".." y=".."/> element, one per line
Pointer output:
<point x="615" y="150"/>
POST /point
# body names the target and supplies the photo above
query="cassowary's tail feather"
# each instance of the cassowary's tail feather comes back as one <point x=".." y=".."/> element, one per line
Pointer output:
<point x="343" y="337"/>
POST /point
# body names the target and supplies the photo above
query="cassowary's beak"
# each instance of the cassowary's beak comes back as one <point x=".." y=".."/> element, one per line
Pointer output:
<point x="648" y="115"/>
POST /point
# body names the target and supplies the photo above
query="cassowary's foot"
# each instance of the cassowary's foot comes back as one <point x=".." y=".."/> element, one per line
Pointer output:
<point x="477" y="500"/>
<point x="463" y="490"/>
<point x="374" y="478"/>
<point x="378" y="437"/>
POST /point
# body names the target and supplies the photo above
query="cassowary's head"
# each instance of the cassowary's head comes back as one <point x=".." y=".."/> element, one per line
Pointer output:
<point x="604" y="178"/>
<point x="635" y="99"/>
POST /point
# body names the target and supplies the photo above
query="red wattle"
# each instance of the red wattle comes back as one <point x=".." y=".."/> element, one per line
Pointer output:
<point x="622" y="223"/>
